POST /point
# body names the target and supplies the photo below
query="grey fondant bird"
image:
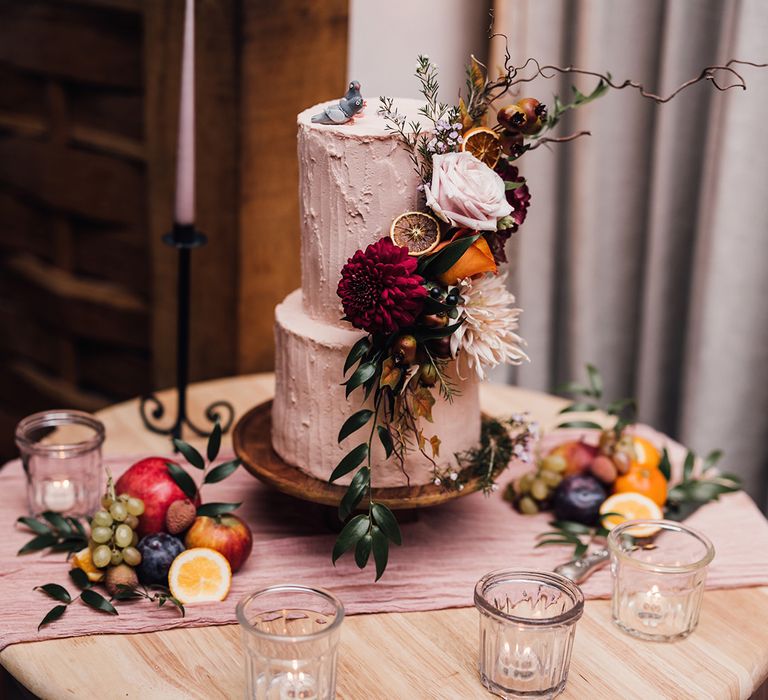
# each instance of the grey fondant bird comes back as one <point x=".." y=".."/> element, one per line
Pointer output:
<point x="347" y="107"/>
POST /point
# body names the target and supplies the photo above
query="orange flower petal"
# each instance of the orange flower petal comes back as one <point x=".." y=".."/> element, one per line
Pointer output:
<point x="476" y="260"/>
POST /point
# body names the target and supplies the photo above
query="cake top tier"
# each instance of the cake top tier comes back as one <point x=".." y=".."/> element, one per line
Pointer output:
<point x="368" y="123"/>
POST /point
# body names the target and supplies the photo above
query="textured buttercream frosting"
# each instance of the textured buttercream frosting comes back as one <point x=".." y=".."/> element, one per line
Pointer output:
<point x="310" y="405"/>
<point x="354" y="179"/>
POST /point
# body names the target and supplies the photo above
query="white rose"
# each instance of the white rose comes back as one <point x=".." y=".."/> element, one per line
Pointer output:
<point x="466" y="192"/>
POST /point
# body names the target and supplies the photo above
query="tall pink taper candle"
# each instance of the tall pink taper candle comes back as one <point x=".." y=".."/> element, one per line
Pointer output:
<point x="184" y="212"/>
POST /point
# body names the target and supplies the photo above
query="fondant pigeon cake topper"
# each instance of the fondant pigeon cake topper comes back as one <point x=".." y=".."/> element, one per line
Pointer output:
<point x="346" y="109"/>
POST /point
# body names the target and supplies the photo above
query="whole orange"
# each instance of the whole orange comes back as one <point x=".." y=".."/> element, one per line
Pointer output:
<point x="646" y="453"/>
<point x="644" y="480"/>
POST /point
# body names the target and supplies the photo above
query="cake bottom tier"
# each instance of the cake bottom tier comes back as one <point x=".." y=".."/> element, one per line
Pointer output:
<point x="310" y="406"/>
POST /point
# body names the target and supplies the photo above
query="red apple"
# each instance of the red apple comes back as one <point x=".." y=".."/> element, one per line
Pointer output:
<point x="227" y="534"/>
<point x="151" y="481"/>
<point x="578" y="456"/>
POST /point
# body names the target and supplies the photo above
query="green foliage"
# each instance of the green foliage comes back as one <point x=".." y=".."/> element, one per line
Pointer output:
<point x="54" y="531"/>
<point x="213" y="509"/>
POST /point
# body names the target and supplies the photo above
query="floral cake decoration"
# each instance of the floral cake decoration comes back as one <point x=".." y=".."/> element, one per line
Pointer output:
<point x="433" y="293"/>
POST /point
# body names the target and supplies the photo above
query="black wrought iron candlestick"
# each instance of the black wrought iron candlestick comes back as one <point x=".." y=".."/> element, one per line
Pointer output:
<point x="183" y="237"/>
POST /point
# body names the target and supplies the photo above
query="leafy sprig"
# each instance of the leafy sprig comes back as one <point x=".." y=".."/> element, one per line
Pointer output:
<point x="211" y="475"/>
<point x="686" y="497"/>
<point x="55" y="532"/>
<point x="154" y="594"/>
<point x="87" y="596"/>
<point x="96" y="601"/>
<point x="589" y="398"/>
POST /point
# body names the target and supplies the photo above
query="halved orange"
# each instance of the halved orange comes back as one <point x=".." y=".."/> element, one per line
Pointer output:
<point x="199" y="575"/>
<point x="417" y="231"/>
<point x="82" y="560"/>
<point x="630" y="506"/>
<point x="484" y="144"/>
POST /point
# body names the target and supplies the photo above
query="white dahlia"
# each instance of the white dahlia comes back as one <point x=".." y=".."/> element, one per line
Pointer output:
<point x="487" y="337"/>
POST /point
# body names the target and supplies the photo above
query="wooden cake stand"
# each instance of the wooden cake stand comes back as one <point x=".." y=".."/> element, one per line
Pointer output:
<point x="253" y="445"/>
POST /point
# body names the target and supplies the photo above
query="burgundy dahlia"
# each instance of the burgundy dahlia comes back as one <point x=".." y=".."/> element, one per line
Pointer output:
<point x="380" y="290"/>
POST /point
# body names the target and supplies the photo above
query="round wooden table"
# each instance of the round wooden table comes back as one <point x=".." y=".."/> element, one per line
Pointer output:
<point x="399" y="655"/>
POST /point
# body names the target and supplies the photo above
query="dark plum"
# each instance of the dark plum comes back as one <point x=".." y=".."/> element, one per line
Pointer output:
<point x="157" y="554"/>
<point x="579" y="498"/>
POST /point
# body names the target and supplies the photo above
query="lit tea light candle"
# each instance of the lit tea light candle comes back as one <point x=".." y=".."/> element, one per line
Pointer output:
<point x="651" y="607"/>
<point x="59" y="495"/>
<point x="519" y="663"/>
<point x="297" y="685"/>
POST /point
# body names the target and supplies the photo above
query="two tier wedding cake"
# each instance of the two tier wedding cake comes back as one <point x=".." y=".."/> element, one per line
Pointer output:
<point x="354" y="180"/>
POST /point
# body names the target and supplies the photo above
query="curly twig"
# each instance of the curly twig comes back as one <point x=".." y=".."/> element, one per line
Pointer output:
<point x="557" y="139"/>
<point x="496" y="88"/>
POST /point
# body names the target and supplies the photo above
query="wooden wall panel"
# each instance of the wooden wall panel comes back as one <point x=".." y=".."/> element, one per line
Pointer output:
<point x="294" y="54"/>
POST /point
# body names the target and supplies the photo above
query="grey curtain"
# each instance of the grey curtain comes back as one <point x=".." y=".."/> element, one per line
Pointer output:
<point x="646" y="247"/>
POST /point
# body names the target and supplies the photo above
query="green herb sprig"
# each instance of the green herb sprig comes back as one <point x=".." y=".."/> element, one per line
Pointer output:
<point x="96" y="601"/>
<point x="210" y="475"/>
<point x="55" y="532"/>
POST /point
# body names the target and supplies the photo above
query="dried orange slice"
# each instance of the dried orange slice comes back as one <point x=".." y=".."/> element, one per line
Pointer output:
<point x="199" y="575"/>
<point x="630" y="506"/>
<point x="484" y="144"/>
<point x="417" y="231"/>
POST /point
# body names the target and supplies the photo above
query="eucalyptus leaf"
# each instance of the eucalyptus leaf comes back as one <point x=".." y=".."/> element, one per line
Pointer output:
<point x="53" y="615"/>
<point x="360" y="376"/>
<point x="350" y="461"/>
<point x="386" y="439"/>
<point x="214" y="442"/>
<point x="190" y="453"/>
<point x="213" y="509"/>
<point x="513" y="184"/>
<point x="125" y="592"/>
<point x="354" y="493"/>
<point x="38" y="543"/>
<point x="581" y="550"/>
<point x="36" y="526"/>
<point x="97" y="601"/>
<point x="380" y="550"/>
<point x="354" y="423"/>
<point x="359" y="349"/>
<point x="349" y="535"/>
<point x="80" y="578"/>
<point x="363" y="550"/>
<point x="221" y="472"/>
<point x="387" y="522"/>
<point x="55" y="591"/>
<point x="665" y="466"/>
<point x="579" y="407"/>
<point x="581" y="424"/>
<point x="58" y="521"/>
<point x="183" y="480"/>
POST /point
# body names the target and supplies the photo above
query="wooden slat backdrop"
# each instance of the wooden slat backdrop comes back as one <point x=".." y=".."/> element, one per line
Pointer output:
<point x="88" y="119"/>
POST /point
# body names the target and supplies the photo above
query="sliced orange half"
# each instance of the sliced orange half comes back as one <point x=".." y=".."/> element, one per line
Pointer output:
<point x="484" y="144"/>
<point x="199" y="575"/>
<point x="630" y="506"/>
<point x="417" y="231"/>
<point x="82" y="560"/>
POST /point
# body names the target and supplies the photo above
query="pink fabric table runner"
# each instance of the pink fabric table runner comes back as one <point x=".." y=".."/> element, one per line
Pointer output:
<point x="446" y="550"/>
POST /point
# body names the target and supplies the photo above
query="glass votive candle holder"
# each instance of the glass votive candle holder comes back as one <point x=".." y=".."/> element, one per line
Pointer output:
<point x="61" y="454"/>
<point x="527" y="625"/>
<point x="290" y="638"/>
<point x="658" y="569"/>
